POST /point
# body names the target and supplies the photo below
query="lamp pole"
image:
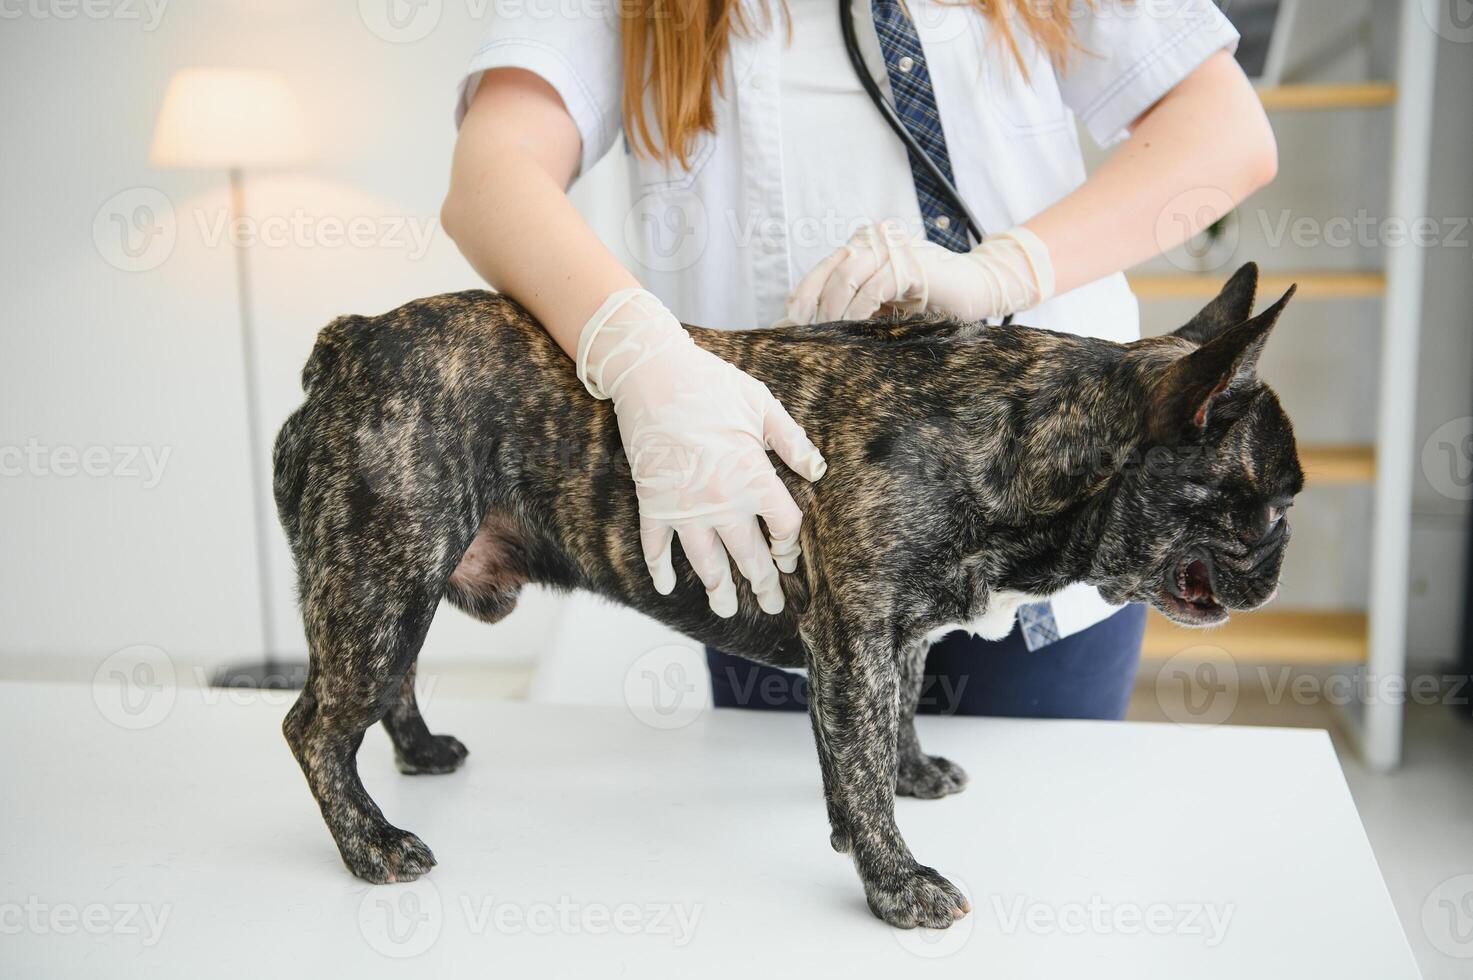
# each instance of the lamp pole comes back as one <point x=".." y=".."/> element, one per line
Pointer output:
<point x="270" y="673"/>
<point x="233" y="118"/>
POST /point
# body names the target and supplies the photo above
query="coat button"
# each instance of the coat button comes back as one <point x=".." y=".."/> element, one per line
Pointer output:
<point x="906" y="63"/>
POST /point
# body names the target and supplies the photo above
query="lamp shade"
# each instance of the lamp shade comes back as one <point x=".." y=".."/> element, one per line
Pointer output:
<point x="221" y="118"/>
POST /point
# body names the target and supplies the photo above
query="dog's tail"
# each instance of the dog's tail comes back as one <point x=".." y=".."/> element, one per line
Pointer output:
<point x="331" y="341"/>
<point x="289" y="474"/>
<point x="288" y="459"/>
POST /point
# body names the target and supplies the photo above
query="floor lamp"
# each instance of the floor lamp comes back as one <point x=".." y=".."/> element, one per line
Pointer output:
<point x="227" y="119"/>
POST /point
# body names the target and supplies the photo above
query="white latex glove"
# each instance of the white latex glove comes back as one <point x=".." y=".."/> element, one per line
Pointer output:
<point x="884" y="265"/>
<point x="696" y="430"/>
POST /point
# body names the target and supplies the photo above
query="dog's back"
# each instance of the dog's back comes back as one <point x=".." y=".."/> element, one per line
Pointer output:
<point x="449" y="445"/>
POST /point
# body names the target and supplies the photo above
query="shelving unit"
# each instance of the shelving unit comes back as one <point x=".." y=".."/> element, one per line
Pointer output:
<point x="1374" y="640"/>
<point x="1312" y="285"/>
<point x="1327" y="464"/>
<point x="1333" y="95"/>
<point x="1302" y="637"/>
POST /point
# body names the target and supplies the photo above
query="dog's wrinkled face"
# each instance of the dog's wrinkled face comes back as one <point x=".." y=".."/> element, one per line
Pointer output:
<point x="1231" y="502"/>
<point x="1200" y="524"/>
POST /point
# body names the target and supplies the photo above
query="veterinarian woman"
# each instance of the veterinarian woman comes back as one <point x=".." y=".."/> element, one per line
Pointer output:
<point x="768" y="186"/>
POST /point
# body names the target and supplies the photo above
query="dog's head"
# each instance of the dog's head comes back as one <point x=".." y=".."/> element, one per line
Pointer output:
<point x="1199" y="523"/>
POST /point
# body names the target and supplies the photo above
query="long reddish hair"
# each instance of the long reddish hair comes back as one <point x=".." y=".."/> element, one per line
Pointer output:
<point x="676" y="51"/>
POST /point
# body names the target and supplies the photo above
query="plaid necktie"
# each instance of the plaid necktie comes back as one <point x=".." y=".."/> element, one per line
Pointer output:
<point x="1036" y="621"/>
<point x="915" y="103"/>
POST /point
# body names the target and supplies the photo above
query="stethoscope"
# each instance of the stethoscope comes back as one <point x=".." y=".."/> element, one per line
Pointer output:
<point x="851" y="45"/>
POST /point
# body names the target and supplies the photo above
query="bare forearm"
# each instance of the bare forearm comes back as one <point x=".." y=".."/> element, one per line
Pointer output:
<point x="510" y="216"/>
<point x="1203" y="148"/>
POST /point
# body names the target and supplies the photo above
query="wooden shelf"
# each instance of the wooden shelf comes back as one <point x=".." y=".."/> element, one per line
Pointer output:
<point x="1312" y="285"/>
<point x="1328" y="464"/>
<point x="1334" y="95"/>
<point x="1268" y="636"/>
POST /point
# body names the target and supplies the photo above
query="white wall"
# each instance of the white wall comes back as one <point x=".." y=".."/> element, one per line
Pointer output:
<point x="95" y="356"/>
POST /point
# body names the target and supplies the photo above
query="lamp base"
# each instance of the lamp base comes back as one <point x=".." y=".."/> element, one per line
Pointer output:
<point x="269" y="675"/>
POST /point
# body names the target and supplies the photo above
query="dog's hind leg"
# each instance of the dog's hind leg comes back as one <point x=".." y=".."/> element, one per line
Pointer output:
<point x="918" y="774"/>
<point x="417" y="750"/>
<point x="484" y="584"/>
<point x="364" y="632"/>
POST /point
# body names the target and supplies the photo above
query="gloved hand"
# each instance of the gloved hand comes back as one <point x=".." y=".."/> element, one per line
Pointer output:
<point x="884" y="265"/>
<point x="696" y="430"/>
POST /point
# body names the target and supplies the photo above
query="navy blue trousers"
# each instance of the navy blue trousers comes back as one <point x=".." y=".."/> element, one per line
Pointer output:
<point x="1086" y="675"/>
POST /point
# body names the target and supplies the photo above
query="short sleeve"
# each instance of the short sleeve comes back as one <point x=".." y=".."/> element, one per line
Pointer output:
<point x="577" y="53"/>
<point x="1133" y="53"/>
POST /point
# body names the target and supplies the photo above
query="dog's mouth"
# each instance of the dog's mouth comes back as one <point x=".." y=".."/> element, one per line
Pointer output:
<point x="1188" y="595"/>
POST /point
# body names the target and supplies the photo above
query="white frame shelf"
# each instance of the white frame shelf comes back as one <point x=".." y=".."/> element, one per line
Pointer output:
<point x="1320" y="637"/>
<point x="1378" y="724"/>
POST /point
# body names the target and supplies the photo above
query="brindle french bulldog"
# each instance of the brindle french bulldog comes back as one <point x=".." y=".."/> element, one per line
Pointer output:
<point x="446" y="449"/>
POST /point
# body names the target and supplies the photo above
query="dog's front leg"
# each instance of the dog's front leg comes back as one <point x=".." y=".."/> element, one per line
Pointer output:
<point x="854" y="703"/>
<point x="918" y="774"/>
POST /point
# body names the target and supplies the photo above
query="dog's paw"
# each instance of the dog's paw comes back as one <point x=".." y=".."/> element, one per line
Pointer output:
<point x="920" y="897"/>
<point x="929" y="777"/>
<point x="436" y="754"/>
<point x="387" y="854"/>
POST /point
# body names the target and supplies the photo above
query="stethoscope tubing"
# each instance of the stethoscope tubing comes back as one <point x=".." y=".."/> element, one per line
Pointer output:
<point x="851" y="45"/>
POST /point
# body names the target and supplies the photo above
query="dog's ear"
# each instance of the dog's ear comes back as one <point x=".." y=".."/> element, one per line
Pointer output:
<point x="1184" y="397"/>
<point x="1232" y="305"/>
